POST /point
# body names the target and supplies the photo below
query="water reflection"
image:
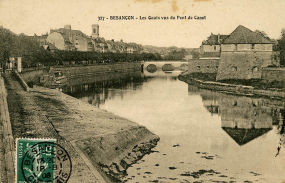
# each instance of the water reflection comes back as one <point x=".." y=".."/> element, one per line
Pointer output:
<point x="96" y="90"/>
<point x="242" y="118"/>
<point x="205" y="136"/>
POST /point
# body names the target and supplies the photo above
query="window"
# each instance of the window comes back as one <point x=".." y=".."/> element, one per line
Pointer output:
<point x="252" y="46"/>
<point x="208" y="66"/>
<point x="94" y="30"/>
<point x="215" y="48"/>
<point x="198" y="67"/>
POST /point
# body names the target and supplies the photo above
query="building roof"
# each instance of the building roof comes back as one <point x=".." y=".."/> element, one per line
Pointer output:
<point x="70" y="31"/>
<point x="243" y="136"/>
<point x="213" y="39"/>
<point x="243" y="35"/>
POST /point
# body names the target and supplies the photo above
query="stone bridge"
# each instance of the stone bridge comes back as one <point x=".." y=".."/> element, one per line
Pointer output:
<point x="153" y="66"/>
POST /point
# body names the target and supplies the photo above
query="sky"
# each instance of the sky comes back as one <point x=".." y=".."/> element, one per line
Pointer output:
<point x="39" y="16"/>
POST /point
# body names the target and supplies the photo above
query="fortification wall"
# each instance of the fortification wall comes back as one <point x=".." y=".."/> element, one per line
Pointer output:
<point x="203" y="65"/>
<point x="243" y="65"/>
<point x="271" y="74"/>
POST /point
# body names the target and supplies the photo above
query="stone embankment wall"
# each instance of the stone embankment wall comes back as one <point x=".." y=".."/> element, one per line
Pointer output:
<point x="7" y="147"/>
<point x="100" y="143"/>
<point x="115" y="152"/>
<point x="32" y="75"/>
<point x="273" y="74"/>
<point x="75" y="71"/>
<point x="92" y="70"/>
<point x="234" y="89"/>
<point x="203" y="65"/>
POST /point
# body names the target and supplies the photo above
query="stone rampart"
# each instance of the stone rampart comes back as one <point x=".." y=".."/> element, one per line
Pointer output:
<point x="273" y="74"/>
<point x="243" y="65"/>
<point x="203" y="65"/>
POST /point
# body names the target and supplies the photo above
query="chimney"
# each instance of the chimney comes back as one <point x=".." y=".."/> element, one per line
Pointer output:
<point x="219" y="38"/>
<point x="113" y="40"/>
<point x="67" y="27"/>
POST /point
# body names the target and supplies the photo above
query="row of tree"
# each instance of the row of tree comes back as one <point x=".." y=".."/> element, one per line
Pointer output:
<point x="13" y="45"/>
<point x="61" y="57"/>
<point x="176" y="55"/>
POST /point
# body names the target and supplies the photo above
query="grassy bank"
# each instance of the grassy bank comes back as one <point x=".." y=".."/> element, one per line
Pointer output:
<point x="256" y="83"/>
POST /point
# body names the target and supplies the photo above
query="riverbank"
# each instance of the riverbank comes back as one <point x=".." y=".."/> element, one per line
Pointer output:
<point x="7" y="146"/>
<point x="79" y="71"/>
<point x="206" y="82"/>
<point x="101" y="145"/>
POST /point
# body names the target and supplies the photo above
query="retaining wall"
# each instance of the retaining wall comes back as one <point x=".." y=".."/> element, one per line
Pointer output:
<point x="7" y="150"/>
<point x="203" y="65"/>
<point x="81" y="70"/>
<point x="234" y="89"/>
<point x="271" y="74"/>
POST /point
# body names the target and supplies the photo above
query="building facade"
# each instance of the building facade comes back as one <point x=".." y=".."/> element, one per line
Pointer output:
<point x="212" y="46"/>
<point x="240" y="55"/>
<point x="68" y="39"/>
<point x="243" y="55"/>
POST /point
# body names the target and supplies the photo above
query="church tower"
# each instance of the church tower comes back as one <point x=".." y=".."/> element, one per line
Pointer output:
<point x="95" y="31"/>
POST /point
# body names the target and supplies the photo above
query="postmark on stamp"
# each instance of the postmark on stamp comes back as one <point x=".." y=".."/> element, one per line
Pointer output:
<point x="42" y="160"/>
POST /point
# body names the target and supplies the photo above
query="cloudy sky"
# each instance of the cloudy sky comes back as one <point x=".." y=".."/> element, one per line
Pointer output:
<point x="39" y="16"/>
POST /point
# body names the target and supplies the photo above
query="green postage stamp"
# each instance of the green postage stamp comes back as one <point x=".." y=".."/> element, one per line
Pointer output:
<point x="41" y="160"/>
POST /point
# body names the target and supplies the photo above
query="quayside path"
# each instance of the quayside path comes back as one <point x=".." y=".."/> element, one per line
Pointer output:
<point x="95" y="139"/>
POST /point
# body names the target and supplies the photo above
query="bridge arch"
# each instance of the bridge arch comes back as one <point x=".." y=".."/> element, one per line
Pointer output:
<point x="160" y="64"/>
<point x="168" y="67"/>
<point x="184" y="66"/>
<point x="152" y="68"/>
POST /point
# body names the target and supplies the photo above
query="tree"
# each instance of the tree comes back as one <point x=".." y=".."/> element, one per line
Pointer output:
<point x="281" y="47"/>
<point x="6" y="45"/>
<point x="262" y="33"/>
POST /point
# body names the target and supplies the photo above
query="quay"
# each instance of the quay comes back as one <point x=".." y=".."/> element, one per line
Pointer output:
<point x="232" y="88"/>
<point x="101" y="145"/>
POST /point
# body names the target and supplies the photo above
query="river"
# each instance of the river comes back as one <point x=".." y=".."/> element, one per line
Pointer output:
<point x="205" y="136"/>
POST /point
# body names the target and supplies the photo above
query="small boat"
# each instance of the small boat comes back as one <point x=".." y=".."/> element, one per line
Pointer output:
<point x="59" y="78"/>
<point x="53" y="79"/>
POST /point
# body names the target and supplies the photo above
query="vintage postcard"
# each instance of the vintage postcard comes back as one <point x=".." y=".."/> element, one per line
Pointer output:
<point x="142" y="91"/>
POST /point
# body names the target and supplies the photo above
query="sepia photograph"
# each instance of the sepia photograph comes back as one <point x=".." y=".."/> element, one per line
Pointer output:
<point x="138" y="91"/>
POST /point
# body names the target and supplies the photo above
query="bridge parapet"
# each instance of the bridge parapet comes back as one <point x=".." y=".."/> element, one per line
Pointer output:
<point x="178" y="65"/>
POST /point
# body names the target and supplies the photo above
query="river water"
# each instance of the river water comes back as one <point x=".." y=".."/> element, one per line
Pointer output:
<point x="205" y="136"/>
